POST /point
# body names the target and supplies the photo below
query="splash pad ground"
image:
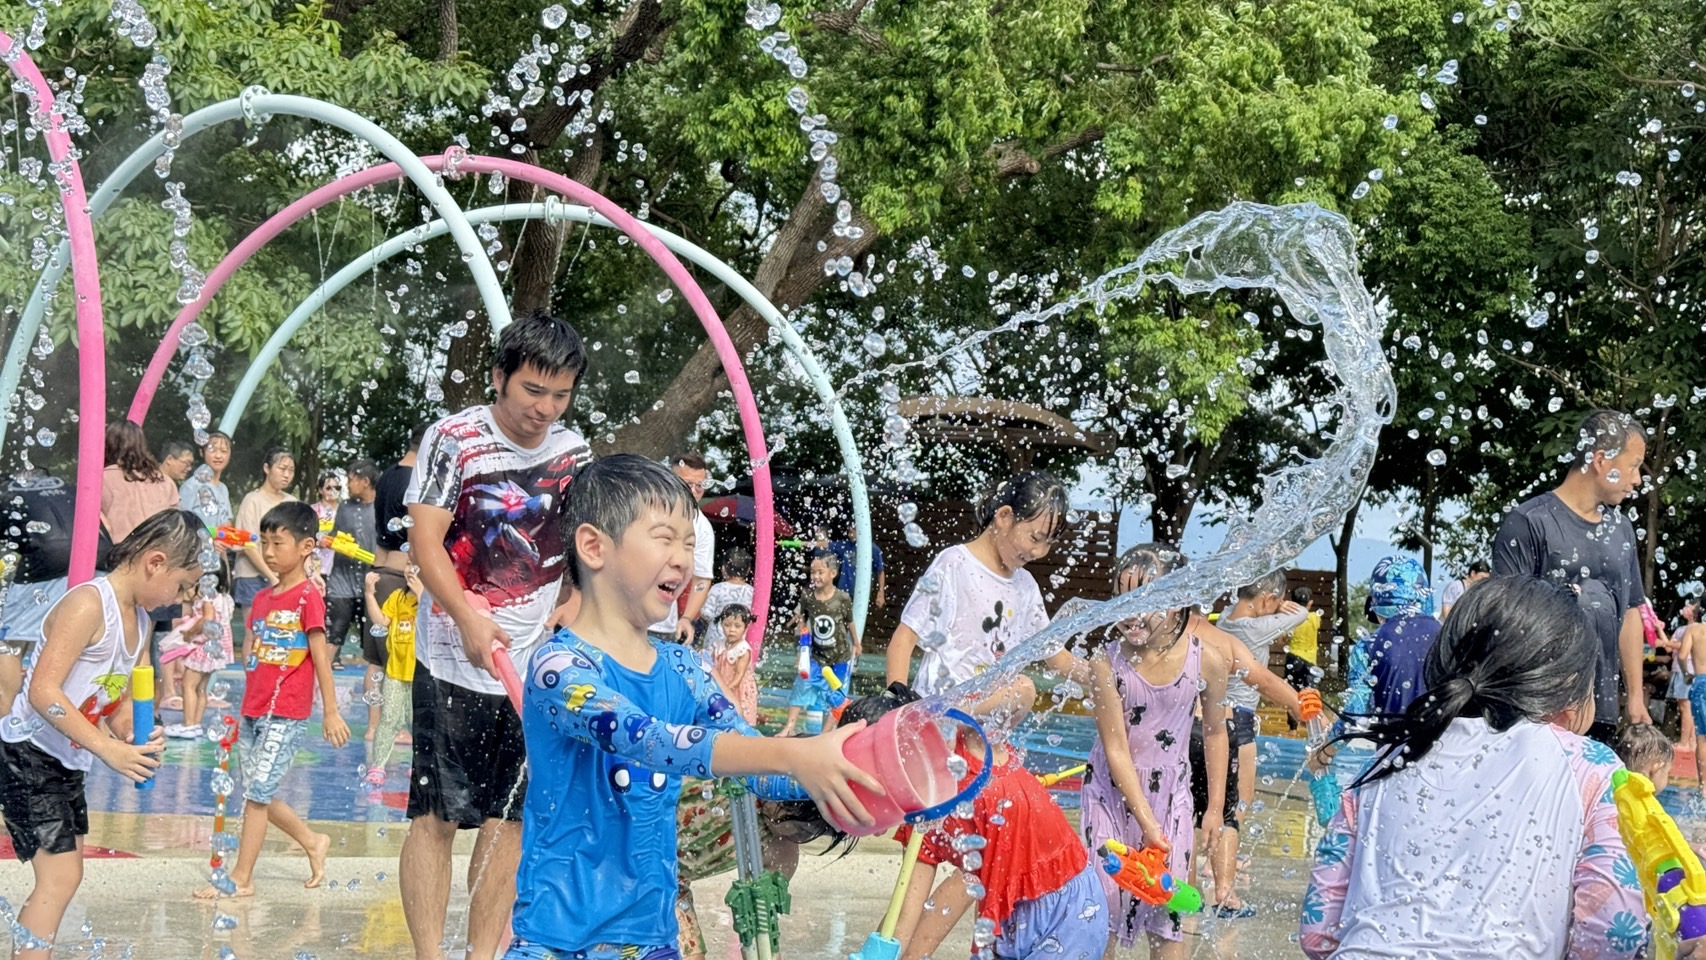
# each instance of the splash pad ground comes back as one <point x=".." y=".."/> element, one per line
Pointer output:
<point x="135" y="899"/>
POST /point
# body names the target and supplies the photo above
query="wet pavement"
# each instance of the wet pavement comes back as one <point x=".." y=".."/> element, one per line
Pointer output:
<point x="135" y="900"/>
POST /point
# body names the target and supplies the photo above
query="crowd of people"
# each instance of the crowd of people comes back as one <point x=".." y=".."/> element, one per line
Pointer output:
<point x="1482" y="827"/>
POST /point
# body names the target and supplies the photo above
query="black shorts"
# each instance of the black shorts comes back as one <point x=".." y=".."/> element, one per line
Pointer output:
<point x="43" y="802"/>
<point x="1299" y="673"/>
<point x="343" y="613"/>
<point x="1199" y="777"/>
<point x="470" y="763"/>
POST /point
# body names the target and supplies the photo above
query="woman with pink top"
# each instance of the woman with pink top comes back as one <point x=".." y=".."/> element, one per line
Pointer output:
<point x="132" y="487"/>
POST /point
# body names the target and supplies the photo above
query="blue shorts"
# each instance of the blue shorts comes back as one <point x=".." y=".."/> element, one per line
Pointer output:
<point x="244" y="590"/>
<point x="265" y="748"/>
<point x="27" y="605"/>
<point x="520" y="949"/>
<point x="1697" y="699"/>
<point x="1068" y="924"/>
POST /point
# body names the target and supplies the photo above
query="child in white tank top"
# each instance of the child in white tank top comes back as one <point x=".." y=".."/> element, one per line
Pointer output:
<point x="72" y="711"/>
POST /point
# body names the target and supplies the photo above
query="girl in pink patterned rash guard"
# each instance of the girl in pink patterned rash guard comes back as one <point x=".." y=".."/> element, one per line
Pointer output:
<point x="1485" y="827"/>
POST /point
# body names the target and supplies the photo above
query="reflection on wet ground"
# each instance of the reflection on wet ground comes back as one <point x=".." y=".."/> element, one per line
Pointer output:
<point x="136" y="902"/>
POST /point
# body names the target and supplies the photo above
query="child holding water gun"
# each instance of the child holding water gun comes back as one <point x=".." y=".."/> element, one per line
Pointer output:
<point x="287" y="656"/>
<point x="613" y="720"/>
<point x="395" y="614"/>
<point x="1042" y="895"/>
<point x="1486" y="827"/>
<point x="977" y="600"/>
<point x="827" y="615"/>
<point x="1148" y="681"/>
<point x="51" y="738"/>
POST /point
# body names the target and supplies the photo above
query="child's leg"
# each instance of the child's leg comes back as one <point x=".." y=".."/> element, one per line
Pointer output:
<point x="57" y="877"/>
<point x="313" y="844"/>
<point x="373" y="685"/>
<point x="1687" y="720"/>
<point x="249" y="839"/>
<point x="690" y="940"/>
<point x="195" y="697"/>
<point x="390" y="721"/>
<point x="1160" y="948"/>
<point x="793" y="718"/>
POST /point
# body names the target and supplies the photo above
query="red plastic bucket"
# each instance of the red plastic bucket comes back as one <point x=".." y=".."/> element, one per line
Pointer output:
<point x="906" y="752"/>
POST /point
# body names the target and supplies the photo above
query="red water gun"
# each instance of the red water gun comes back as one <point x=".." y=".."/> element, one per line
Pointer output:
<point x="1143" y="874"/>
<point x="234" y="537"/>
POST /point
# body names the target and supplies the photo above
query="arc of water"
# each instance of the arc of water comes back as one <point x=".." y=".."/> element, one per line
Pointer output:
<point x="745" y="404"/>
<point x="551" y="209"/>
<point x="78" y="251"/>
<point x="253" y="103"/>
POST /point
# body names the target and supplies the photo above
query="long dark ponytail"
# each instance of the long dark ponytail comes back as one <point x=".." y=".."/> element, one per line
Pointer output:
<point x="1512" y="649"/>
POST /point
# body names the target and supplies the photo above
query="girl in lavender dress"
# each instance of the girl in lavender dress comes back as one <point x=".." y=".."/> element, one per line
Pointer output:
<point x="1148" y="681"/>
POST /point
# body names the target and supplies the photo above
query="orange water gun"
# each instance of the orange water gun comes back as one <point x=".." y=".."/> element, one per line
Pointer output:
<point x="1144" y="875"/>
<point x="838" y="699"/>
<point x="234" y="537"/>
<point x="343" y="542"/>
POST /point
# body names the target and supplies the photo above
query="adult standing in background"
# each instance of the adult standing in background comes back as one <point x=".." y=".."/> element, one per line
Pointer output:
<point x="1575" y="535"/>
<point x="133" y="488"/>
<point x="206" y="495"/>
<point x="250" y="573"/>
<point x="346" y="582"/>
<point x="177" y="459"/>
<point x="1478" y="570"/>
<point x="678" y="626"/>
<point x="390" y="515"/>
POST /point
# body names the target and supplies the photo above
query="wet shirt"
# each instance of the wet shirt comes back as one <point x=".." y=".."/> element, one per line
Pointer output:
<point x="1258" y="633"/>
<point x="281" y="672"/>
<point x="1030" y="848"/>
<point x="1543" y="537"/>
<point x="1396" y="654"/>
<point x="829" y="622"/>
<point x="211" y="501"/>
<point x="966" y="616"/>
<point x="96" y="681"/>
<point x="505" y="538"/>
<point x="39" y="513"/>
<point x="606" y="750"/>
<point x="1493" y="846"/>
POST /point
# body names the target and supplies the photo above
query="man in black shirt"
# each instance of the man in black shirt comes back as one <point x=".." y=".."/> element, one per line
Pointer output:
<point x="1576" y="536"/>
<point x="390" y="517"/>
<point x="38" y="512"/>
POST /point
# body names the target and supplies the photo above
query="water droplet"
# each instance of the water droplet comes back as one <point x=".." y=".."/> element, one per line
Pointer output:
<point x="553" y="16"/>
<point x="665" y="294"/>
<point x="632" y="376"/>
<point x="1360" y="191"/>
<point x="224" y="921"/>
<point x="192" y="335"/>
<point x="1391" y="121"/>
<point x="915" y="536"/>
<point x="874" y="344"/>
<point x="46" y="437"/>
<point x="1426" y="101"/>
<point x="1436" y="457"/>
<point x="1593" y="256"/>
<point x="1538" y="318"/>
<point x="1513" y="11"/>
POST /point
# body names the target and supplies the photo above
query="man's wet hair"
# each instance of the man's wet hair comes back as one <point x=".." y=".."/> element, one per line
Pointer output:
<point x="1604" y="431"/>
<point x="546" y="342"/>
<point x="364" y="469"/>
<point x="691" y="459"/>
<point x="295" y="518"/>
<point x="610" y="492"/>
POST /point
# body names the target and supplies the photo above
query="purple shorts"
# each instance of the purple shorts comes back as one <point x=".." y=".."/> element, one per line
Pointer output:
<point x="1068" y="924"/>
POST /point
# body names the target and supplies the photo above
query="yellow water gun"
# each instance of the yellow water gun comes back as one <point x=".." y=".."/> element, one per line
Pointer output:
<point x="1672" y="880"/>
<point x="343" y="542"/>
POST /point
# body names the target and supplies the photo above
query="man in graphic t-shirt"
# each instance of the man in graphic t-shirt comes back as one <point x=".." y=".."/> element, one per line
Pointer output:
<point x="486" y="502"/>
<point x="1575" y="535"/>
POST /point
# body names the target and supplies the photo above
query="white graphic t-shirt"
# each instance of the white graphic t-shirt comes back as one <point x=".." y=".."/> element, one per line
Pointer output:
<point x="505" y="539"/>
<point x="966" y="616"/>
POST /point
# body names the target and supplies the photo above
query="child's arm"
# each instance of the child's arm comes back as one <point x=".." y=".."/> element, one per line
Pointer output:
<point x="1329" y="881"/>
<point x="854" y="634"/>
<point x="1243" y="664"/>
<point x="899" y="654"/>
<point x="334" y="727"/>
<point x="950" y="901"/>
<point x="1600" y="903"/>
<point x="375" y="610"/>
<point x="741" y="663"/>
<point x="75" y="624"/>
<point x="1116" y="741"/>
<point x="1215" y="748"/>
<point x="568" y="682"/>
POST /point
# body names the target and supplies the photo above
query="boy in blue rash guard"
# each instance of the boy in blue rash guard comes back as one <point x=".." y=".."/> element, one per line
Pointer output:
<point x="613" y="720"/>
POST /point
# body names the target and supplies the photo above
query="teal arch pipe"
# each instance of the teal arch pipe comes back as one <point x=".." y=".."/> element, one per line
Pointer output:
<point x="253" y="104"/>
<point x="553" y="209"/>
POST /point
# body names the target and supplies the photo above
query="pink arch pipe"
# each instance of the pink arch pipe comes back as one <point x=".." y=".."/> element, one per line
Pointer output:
<point x="745" y="404"/>
<point x="91" y="334"/>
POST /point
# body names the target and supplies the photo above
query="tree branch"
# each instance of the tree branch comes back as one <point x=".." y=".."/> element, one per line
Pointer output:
<point x="846" y="23"/>
<point x="1013" y="160"/>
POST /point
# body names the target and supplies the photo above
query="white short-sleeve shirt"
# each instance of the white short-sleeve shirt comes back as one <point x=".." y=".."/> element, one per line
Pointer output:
<point x="966" y="616"/>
